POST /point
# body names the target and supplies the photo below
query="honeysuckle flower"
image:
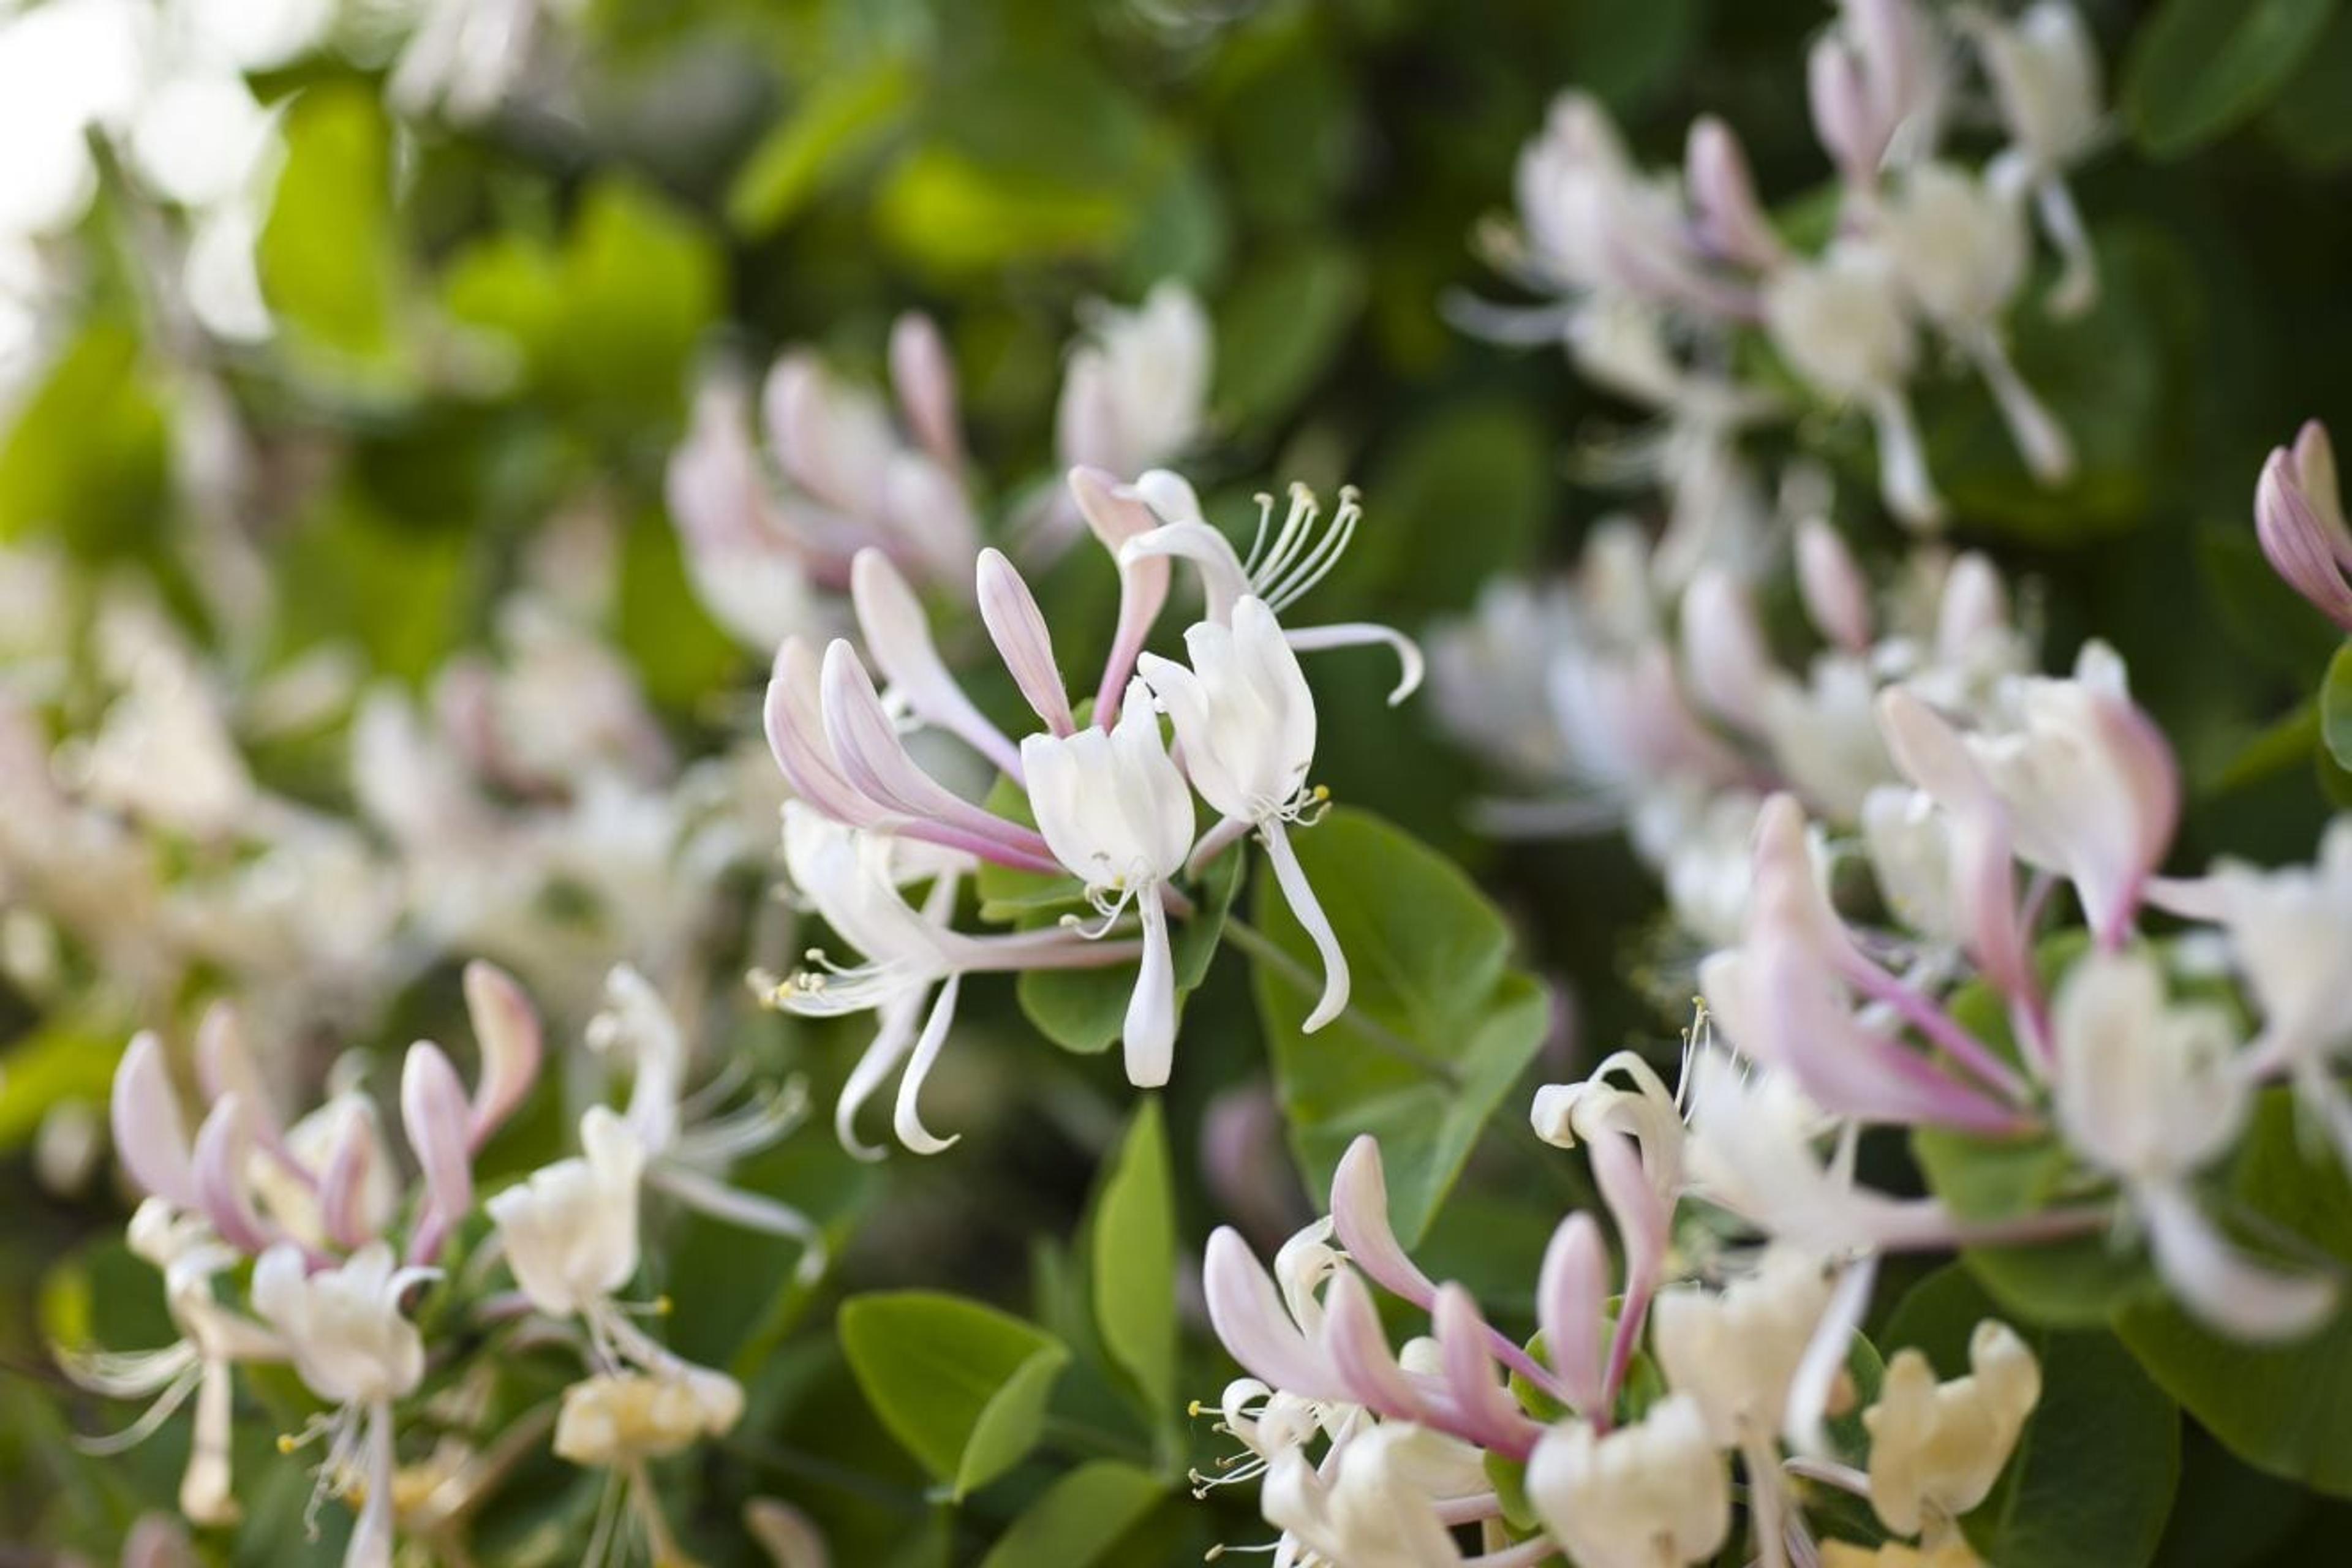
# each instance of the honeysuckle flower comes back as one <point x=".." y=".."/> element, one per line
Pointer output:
<point x="2092" y="790"/>
<point x="1284" y="564"/>
<point x="688" y="1160"/>
<point x="345" y="1332"/>
<point x="1959" y="243"/>
<point x="212" y="1340"/>
<point x="2044" y="71"/>
<point x="1246" y="720"/>
<point x="1657" y="1492"/>
<point x="1840" y="321"/>
<point x="1135" y="393"/>
<point x="2287" y="930"/>
<point x="751" y="572"/>
<point x="1394" y="1493"/>
<point x="570" y="1230"/>
<point x="2299" y="523"/>
<point x="1836" y="594"/>
<point x="2151" y="1091"/>
<point x="618" y="1420"/>
<point x="1936" y="1448"/>
<point x="1735" y="1352"/>
<point x="852" y="879"/>
<point x="1119" y="814"/>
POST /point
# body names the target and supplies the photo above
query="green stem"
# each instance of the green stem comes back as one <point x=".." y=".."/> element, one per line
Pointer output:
<point x="1264" y="950"/>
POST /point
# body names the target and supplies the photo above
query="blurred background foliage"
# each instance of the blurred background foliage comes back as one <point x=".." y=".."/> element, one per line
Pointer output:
<point x="479" y="327"/>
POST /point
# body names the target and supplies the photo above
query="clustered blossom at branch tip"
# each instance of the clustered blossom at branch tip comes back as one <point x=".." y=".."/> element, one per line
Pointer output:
<point x="1366" y="1454"/>
<point x="336" y="1252"/>
<point x="770" y="531"/>
<point x="1656" y="275"/>
<point x="1107" y="803"/>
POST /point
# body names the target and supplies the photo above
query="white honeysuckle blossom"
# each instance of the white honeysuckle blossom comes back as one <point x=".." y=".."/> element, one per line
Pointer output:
<point x="1385" y="1505"/>
<point x="2045" y="70"/>
<point x="1135" y="392"/>
<point x="1936" y="1448"/>
<point x="212" y="1340"/>
<point x="2152" y="1091"/>
<point x="345" y="1332"/>
<point x="1842" y="324"/>
<point x="1117" y="813"/>
<point x="1245" y="720"/>
<point x="570" y="1230"/>
<point x="1657" y="1494"/>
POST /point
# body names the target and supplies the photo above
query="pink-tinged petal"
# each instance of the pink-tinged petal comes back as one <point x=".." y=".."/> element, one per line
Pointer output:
<point x="1729" y="217"/>
<point x="224" y="1065"/>
<point x="1974" y="604"/>
<point x="1931" y="754"/>
<point x="1571" y="1297"/>
<point x="1843" y="119"/>
<point x="1357" y="1349"/>
<point x="222" y="1145"/>
<point x="150" y="1138"/>
<point x="1360" y="1214"/>
<point x="794" y="719"/>
<point x="2222" y="1285"/>
<point x="923" y="376"/>
<point x="1301" y="895"/>
<point x="1147" y="1036"/>
<point x="1723" y="650"/>
<point x="434" y="1113"/>
<point x="2314" y="470"/>
<point x="1224" y="584"/>
<point x="1257" y="1331"/>
<point x="2295" y="540"/>
<point x="1485" y="1412"/>
<point x="1024" y="640"/>
<point x="1118" y="515"/>
<point x="906" y="1119"/>
<point x="899" y="638"/>
<point x="1835" y="592"/>
<point x="506" y="1031"/>
<point x="2144" y="759"/>
<point x="1411" y="665"/>
<point x="344" y="1184"/>
<point x="875" y="761"/>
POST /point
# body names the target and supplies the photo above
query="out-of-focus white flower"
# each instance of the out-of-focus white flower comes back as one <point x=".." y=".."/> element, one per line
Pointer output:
<point x="571" y="1231"/>
<point x="620" y="1419"/>
<point x="1736" y="1351"/>
<point x="2045" y="70"/>
<point x="2151" y="1092"/>
<point x="1384" y="1506"/>
<point x="1135" y="392"/>
<point x="1841" y="323"/>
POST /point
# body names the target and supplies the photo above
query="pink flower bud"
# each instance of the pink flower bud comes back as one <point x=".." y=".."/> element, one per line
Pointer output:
<point x="1724" y="653"/>
<point x="1572" y="1292"/>
<point x="2292" y="526"/>
<point x="222" y="1188"/>
<point x="434" y="1113"/>
<point x="1731" y="221"/>
<point x="923" y="376"/>
<point x="507" y="1032"/>
<point x="1836" y="594"/>
<point x="1024" y="640"/>
<point x="150" y="1138"/>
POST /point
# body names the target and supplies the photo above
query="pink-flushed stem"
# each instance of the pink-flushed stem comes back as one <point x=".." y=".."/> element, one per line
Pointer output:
<point x="1940" y="1027"/>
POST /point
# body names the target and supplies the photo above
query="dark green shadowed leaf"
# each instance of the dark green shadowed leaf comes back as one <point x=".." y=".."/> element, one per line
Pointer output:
<point x="1133" y="1257"/>
<point x="2199" y="67"/>
<point x="1437" y="1030"/>
<point x="1081" y="1517"/>
<point x="962" y="1385"/>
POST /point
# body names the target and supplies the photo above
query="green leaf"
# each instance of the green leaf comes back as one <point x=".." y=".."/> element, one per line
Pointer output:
<point x="2093" y="1474"/>
<point x="1085" y="1010"/>
<point x="955" y="216"/>
<point x="1080" y="1518"/>
<point x="825" y="136"/>
<point x="329" y="254"/>
<point x="962" y="1385"/>
<point x="1134" y="1260"/>
<point x="87" y="457"/>
<point x="2335" y="707"/>
<point x="612" y="316"/>
<point x="2311" y="122"/>
<point x="1281" y="327"/>
<point x="57" y="1063"/>
<point x="1435" y="1033"/>
<point x="2199" y="67"/>
<point x="2287" y="1408"/>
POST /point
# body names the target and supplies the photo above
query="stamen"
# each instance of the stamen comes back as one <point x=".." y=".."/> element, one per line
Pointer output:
<point x="1318" y="562"/>
<point x="1296" y="528"/>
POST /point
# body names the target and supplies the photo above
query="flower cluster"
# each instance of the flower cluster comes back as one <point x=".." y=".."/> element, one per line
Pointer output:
<point x="1095" y="811"/>
<point x="1373" y="1455"/>
<point x="309" y="1243"/>
<point x="1658" y="276"/>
